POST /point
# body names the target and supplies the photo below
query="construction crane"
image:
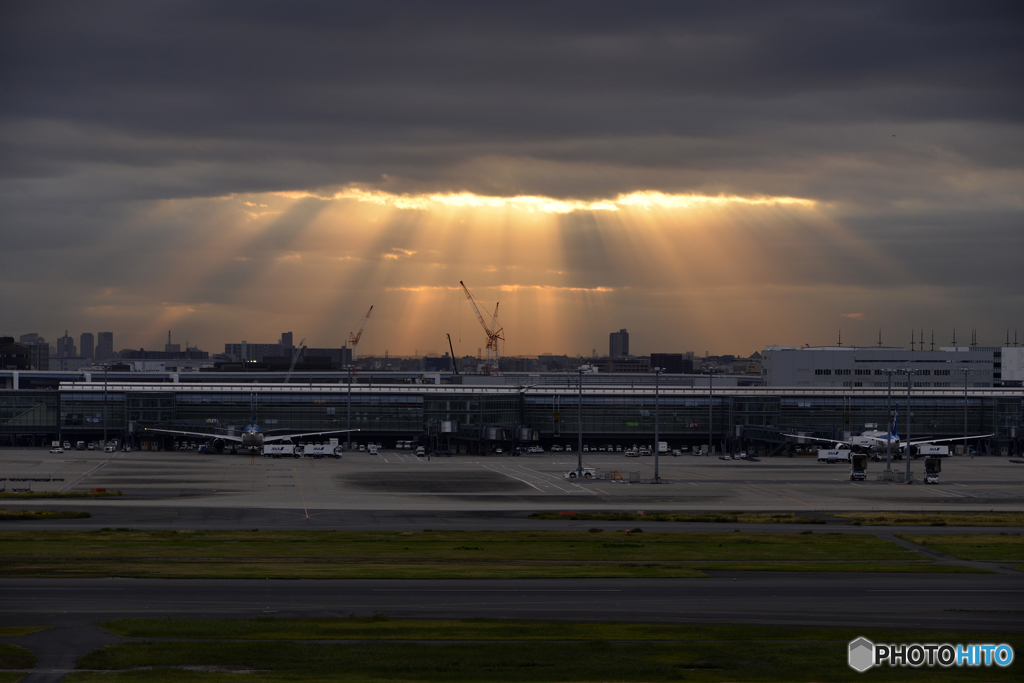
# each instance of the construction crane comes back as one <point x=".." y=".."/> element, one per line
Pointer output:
<point x="295" y="359"/>
<point x="455" y="365"/>
<point x="494" y="333"/>
<point x="353" y="337"/>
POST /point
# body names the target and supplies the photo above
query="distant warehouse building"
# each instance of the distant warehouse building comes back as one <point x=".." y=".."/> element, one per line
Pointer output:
<point x="850" y="366"/>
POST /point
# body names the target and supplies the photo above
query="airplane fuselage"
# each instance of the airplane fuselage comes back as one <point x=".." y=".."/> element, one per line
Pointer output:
<point x="252" y="437"/>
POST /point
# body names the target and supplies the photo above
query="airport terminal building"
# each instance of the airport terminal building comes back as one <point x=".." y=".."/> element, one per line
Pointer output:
<point x="438" y="410"/>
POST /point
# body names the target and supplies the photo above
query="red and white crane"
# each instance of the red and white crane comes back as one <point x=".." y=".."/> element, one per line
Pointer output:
<point x="494" y="333"/>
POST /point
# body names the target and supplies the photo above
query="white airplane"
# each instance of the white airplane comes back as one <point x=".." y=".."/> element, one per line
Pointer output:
<point x="876" y="441"/>
<point x="251" y="436"/>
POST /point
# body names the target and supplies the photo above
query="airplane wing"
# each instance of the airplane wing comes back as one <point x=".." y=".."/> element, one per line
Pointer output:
<point x="837" y="442"/>
<point x="282" y="437"/>
<point x="952" y="438"/>
<point x="201" y="435"/>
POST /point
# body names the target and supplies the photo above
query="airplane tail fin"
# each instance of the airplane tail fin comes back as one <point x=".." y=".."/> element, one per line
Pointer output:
<point x="895" y="419"/>
<point x="252" y="416"/>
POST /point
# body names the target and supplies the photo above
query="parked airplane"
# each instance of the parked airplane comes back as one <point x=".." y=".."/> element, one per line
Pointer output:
<point x="876" y="441"/>
<point x="251" y="436"/>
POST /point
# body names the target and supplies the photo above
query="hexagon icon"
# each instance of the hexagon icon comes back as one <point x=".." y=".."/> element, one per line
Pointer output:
<point x="862" y="654"/>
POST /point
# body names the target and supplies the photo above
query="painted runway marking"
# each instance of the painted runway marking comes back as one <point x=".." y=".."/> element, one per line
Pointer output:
<point x="516" y="478"/>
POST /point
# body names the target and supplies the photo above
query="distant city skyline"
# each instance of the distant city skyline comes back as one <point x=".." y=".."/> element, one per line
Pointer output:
<point x="963" y="339"/>
<point x="709" y="176"/>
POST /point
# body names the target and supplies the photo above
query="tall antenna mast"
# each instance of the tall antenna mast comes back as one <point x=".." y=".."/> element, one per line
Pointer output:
<point x="879" y="337"/>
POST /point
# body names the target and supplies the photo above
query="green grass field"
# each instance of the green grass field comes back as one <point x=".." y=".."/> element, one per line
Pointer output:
<point x="441" y="554"/>
<point x="720" y="517"/>
<point x="42" y="514"/>
<point x="15" y="657"/>
<point x="15" y="631"/>
<point x="59" y="494"/>
<point x="511" y="651"/>
<point x="385" y="628"/>
<point x="1002" y="547"/>
<point x="934" y="518"/>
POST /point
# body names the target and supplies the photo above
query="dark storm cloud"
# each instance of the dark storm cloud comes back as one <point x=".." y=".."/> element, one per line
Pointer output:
<point x="904" y="117"/>
<point x="354" y="90"/>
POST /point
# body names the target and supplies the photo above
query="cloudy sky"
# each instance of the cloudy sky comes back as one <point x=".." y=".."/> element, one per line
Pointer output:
<point x="711" y="176"/>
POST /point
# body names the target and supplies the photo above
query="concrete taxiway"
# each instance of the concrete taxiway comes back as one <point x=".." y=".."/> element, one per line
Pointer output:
<point x="400" y="481"/>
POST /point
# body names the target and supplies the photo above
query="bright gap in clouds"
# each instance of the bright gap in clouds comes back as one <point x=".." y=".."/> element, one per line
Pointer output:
<point x="680" y="271"/>
<point x="531" y="203"/>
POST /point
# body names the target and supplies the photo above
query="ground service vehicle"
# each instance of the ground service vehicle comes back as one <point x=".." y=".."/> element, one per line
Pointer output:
<point x="588" y="473"/>
<point x="80" y="445"/>
<point x="67" y="445"/>
<point x="932" y="467"/>
<point x="858" y="467"/>
<point x="420" y="450"/>
<point x="282" y="450"/>
<point x="322" y="451"/>
<point x="834" y="455"/>
<point x="372" y="449"/>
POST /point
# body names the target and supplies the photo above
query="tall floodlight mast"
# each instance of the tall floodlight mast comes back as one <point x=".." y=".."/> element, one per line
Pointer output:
<point x="494" y="333"/>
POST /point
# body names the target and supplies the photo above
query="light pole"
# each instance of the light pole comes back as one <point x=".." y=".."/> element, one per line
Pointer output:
<point x="579" y="447"/>
<point x="105" y="368"/>
<point x="888" y="405"/>
<point x="711" y="404"/>
<point x="910" y="377"/>
<point x="965" y="371"/>
<point x="657" y="374"/>
<point x="348" y="423"/>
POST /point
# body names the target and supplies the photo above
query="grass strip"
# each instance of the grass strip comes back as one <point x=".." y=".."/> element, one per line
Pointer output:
<point x="537" y="660"/>
<point x="381" y="627"/>
<point x="933" y="519"/>
<point x="10" y="676"/>
<point x="15" y="631"/>
<point x="59" y="494"/>
<point x="720" y="517"/>
<point x="42" y="514"/>
<point x="15" y="657"/>
<point x="1002" y="547"/>
<point x="447" y="554"/>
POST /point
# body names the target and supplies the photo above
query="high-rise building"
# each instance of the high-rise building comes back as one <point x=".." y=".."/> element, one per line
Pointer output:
<point x="66" y="347"/>
<point x="87" y="345"/>
<point x="618" y="343"/>
<point x="673" y="363"/>
<point x="105" y="346"/>
<point x="286" y="340"/>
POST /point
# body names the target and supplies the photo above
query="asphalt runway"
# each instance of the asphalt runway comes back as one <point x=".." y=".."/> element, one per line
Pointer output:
<point x="903" y="601"/>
